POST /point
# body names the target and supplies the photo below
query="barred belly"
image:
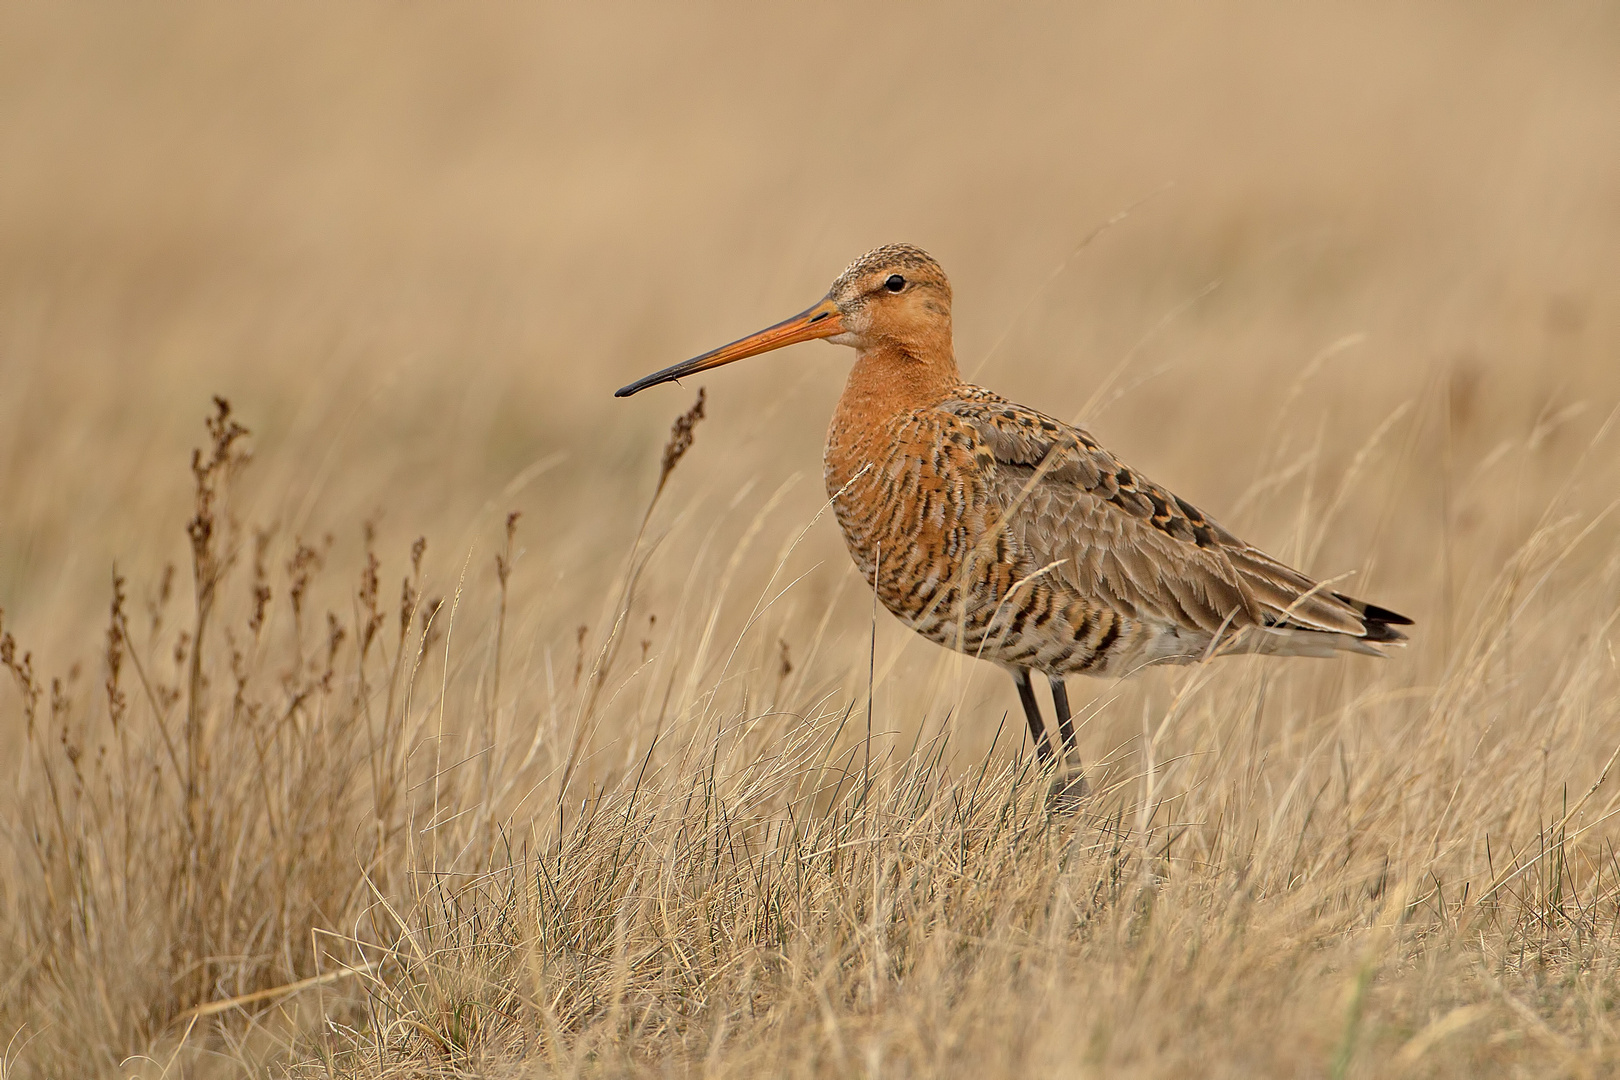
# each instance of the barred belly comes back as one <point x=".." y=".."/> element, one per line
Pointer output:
<point x="922" y="530"/>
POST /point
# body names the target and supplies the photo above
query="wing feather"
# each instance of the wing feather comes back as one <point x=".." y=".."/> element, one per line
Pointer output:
<point x="1125" y="539"/>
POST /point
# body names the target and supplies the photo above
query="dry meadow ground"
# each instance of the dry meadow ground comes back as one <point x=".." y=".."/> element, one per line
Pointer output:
<point x="636" y="785"/>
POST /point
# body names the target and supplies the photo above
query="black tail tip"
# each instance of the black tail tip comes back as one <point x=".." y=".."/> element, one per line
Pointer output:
<point x="1375" y="614"/>
<point x="1380" y="622"/>
<point x="1372" y="613"/>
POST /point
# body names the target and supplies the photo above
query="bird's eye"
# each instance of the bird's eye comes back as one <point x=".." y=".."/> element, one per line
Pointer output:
<point x="895" y="283"/>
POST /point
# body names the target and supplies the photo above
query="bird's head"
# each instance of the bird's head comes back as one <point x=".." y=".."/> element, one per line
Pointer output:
<point x="894" y="299"/>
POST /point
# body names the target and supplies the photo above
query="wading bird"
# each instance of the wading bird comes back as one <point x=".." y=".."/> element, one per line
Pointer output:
<point x="996" y="530"/>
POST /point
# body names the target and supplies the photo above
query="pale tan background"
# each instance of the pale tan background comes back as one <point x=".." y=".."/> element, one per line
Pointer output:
<point x="419" y="246"/>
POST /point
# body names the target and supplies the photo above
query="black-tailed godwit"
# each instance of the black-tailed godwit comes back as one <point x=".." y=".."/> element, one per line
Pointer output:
<point x="991" y="528"/>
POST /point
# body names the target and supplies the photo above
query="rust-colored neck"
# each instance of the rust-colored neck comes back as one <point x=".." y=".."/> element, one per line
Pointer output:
<point x="890" y="380"/>
<point x="886" y="384"/>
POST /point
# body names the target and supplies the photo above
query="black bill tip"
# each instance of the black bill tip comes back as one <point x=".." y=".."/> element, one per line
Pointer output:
<point x="639" y="385"/>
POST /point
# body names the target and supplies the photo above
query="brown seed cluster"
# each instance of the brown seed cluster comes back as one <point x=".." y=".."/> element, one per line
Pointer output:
<point x="680" y="439"/>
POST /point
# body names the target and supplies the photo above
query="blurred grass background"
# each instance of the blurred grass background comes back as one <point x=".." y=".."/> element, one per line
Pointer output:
<point x="418" y="246"/>
<point x="424" y="244"/>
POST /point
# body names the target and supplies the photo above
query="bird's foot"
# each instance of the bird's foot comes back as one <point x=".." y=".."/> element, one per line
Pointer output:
<point x="1066" y="791"/>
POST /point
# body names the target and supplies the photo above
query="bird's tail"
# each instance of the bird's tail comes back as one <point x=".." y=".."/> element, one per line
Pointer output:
<point x="1380" y="622"/>
<point x="1288" y="638"/>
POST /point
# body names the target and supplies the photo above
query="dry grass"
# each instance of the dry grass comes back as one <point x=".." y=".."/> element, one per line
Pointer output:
<point x="432" y="727"/>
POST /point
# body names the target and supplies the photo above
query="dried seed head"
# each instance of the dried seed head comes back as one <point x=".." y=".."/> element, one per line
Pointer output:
<point x="579" y="658"/>
<point x="61" y="701"/>
<point x="261" y="600"/>
<point x="407" y="603"/>
<point x="430" y="632"/>
<point x="335" y="635"/>
<point x="503" y="561"/>
<point x="23" y="672"/>
<point x="156" y="605"/>
<point x="211" y="474"/>
<point x="680" y="438"/>
<point x="115" y="651"/>
<point x="301" y="567"/>
<point x="261" y="579"/>
<point x="370" y="588"/>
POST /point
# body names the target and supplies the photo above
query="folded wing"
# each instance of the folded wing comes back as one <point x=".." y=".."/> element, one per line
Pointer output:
<point x="1123" y="540"/>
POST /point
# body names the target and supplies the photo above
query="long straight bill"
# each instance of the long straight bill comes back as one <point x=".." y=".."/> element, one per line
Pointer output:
<point x="821" y="321"/>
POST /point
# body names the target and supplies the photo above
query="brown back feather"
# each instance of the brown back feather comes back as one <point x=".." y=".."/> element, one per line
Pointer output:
<point x="1132" y="543"/>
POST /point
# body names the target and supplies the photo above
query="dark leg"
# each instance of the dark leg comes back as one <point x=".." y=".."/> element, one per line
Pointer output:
<point x="1060" y="702"/>
<point x="1032" y="712"/>
<point x="1069" y="786"/>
